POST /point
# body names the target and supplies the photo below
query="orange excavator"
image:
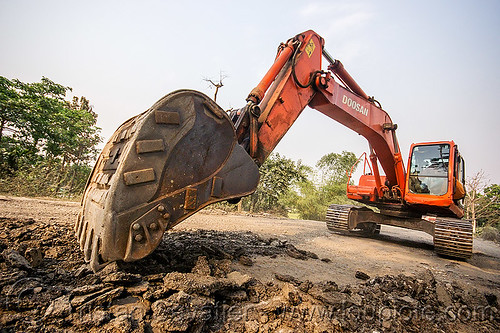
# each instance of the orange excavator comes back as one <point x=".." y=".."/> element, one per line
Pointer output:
<point x="185" y="153"/>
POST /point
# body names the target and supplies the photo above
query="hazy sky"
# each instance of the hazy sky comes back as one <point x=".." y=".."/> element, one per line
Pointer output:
<point x="434" y="65"/>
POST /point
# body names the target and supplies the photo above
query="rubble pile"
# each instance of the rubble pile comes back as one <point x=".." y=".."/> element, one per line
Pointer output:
<point x="191" y="283"/>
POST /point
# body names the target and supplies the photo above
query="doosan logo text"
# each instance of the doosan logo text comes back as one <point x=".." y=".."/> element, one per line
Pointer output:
<point x="354" y="105"/>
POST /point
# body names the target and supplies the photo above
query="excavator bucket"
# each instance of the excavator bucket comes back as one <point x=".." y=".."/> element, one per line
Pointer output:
<point x="156" y="170"/>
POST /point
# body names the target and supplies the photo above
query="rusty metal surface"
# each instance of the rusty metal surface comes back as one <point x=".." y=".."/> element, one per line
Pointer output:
<point x="157" y="169"/>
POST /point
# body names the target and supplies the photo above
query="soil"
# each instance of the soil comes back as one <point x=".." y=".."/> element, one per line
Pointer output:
<point x="219" y="272"/>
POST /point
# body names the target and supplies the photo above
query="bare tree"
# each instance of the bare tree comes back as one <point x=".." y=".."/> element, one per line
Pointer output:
<point x="216" y="84"/>
<point x="477" y="201"/>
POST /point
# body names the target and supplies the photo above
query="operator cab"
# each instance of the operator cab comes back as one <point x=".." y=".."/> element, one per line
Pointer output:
<point x="436" y="178"/>
<point x="429" y="169"/>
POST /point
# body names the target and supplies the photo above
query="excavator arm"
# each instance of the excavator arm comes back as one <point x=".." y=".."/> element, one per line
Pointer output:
<point x="185" y="152"/>
<point x="295" y="81"/>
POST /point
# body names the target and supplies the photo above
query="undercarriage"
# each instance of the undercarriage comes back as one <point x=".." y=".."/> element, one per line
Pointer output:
<point x="452" y="237"/>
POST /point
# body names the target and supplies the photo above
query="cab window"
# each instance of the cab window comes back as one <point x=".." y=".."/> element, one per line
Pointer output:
<point x="429" y="169"/>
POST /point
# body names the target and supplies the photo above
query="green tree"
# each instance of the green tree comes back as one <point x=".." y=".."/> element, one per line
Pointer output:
<point x="79" y="133"/>
<point x="314" y="199"/>
<point x="489" y="207"/>
<point x="44" y="137"/>
<point x="33" y="116"/>
<point x="9" y="105"/>
<point x="334" y="167"/>
<point x="277" y="176"/>
<point x="11" y="119"/>
<point x="482" y="200"/>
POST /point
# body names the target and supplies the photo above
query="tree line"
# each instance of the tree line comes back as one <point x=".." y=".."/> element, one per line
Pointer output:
<point x="482" y="203"/>
<point x="47" y="143"/>
<point x="292" y="187"/>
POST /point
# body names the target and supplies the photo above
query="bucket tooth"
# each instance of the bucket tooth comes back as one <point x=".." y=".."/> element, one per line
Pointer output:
<point x="87" y="250"/>
<point x="157" y="169"/>
<point x="83" y="236"/>
<point x="94" y="261"/>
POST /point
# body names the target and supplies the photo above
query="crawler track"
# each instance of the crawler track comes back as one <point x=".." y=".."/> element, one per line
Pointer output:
<point x="337" y="218"/>
<point x="453" y="237"/>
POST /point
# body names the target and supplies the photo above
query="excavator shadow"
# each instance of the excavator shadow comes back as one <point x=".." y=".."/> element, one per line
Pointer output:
<point x="406" y="242"/>
<point x="485" y="262"/>
<point x="392" y="239"/>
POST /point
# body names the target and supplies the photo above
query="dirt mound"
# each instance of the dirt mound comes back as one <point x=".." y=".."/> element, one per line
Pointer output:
<point x="192" y="283"/>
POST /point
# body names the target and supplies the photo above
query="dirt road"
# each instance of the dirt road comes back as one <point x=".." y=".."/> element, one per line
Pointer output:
<point x="395" y="251"/>
<point x="277" y="253"/>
